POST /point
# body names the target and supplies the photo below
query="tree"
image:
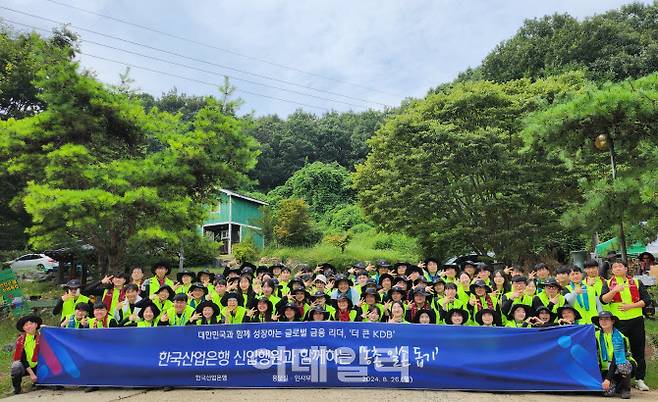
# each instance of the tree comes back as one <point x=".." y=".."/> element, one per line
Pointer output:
<point x="612" y="46"/>
<point x="626" y="114"/>
<point x="341" y="240"/>
<point x="92" y="176"/>
<point x="294" y="225"/>
<point x="303" y="138"/>
<point x="323" y="186"/>
<point x="451" y="170"/>
<point x="22" y="57"/>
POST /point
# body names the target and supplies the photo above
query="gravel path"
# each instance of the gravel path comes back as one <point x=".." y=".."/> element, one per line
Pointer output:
<point x="316" y="395"/>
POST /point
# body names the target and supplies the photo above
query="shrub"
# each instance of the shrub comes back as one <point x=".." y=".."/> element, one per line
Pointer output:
<point x="245" y="250"/>
<point x="294" y="226"/>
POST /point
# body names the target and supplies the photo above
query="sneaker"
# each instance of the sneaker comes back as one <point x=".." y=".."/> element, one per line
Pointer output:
<point x="626" y="394"/>
<point x="639" y="384"/>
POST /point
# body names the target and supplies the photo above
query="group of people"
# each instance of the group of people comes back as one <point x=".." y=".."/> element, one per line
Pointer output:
<point x="426" y="293"/>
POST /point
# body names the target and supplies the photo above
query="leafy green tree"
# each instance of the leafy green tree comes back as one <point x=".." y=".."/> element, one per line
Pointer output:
<point x="92" y="177"/>
<point x="303" y="138"/>
<point x="323" y="186"/>
<point x="451" y="170"/>
<point x="626" y="114"/>
<point x="22" y="57"/>
<point x="340" y="240"/>
<point x="294" y="224"/>
<point x="611" y="46"/>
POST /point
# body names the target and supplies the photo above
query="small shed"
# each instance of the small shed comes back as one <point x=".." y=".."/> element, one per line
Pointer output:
<point x="234" y="219"/>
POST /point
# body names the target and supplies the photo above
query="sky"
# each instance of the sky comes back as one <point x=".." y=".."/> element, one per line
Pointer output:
<point x="284" y="55"/>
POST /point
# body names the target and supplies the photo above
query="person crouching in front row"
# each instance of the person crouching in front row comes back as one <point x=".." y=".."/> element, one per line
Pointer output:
<point x="27" y="349"/>
<point x="615" y="359"/>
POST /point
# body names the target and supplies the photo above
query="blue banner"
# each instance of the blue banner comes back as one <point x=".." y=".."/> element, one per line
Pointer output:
<point x="324" y="354"/>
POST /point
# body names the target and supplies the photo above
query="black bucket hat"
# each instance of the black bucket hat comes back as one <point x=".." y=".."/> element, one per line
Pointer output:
<point x="161" y="264"/>
<point x="232" y="295"/>
<point x="567" y="307"/>
<point x="205" y="271"/>
<point x="383" y="264"/>
<point x="199" y="285"/>
<point x="153" y="307"/>
<point x="403" y="279"/>
<point x="168" y="289"/>
<point x="340" y="278"/>
<point x="264" y="299"/>
<point x="72" y="284"/>
<point x="181" y="274"/>
<point x="646" y="254"/>
<point x="429" y="312"/>
<point x="460" y="311"/>
<point x="374" y="292"/>
<point x="397" y="289"/>
<point x="544" y="308"/>
<point x="552" y="282"/>
<point x="383" y="276"/>
<point x="318" y="309"/>
<point x="479" y="284"/>
<point x="526" y="308"/>
<point x="207" y="303"/>
<point x="343" y="296"/>
<point x="496" y="316"/>
<point x="294" y="308"/>
<point x="605" y="314"/>
<point x="318" y="294"/>
<point x="28" y="318"/>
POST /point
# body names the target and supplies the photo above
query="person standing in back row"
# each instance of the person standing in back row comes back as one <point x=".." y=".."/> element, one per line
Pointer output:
<point x="626" y="297"/>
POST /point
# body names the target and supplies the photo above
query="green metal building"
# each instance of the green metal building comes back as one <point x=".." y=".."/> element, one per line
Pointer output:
<point x="234" y="219"/>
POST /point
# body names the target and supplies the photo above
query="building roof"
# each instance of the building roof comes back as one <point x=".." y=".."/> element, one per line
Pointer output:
<point x="244" y="197"/>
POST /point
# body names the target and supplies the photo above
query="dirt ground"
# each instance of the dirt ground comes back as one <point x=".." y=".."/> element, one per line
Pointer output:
<point x="316" y="395"/>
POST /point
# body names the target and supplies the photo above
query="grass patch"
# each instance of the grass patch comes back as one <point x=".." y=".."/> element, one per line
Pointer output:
<point x="365" y="246"/>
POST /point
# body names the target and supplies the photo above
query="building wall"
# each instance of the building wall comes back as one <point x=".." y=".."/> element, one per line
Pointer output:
<point x="243" y="213"/>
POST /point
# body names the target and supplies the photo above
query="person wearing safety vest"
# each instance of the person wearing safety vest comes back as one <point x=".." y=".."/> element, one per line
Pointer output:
<point x="146" y="317"/>
<point x="481" y="298"/>
<point x="543" y="273"/>
<point x="264" y="311"/>
<point x="233" y="313"/>
<point x="160" y="270"/>
<point x="568" y="315"/>
<point x="198" y="294"/>
<point x="101" y="317"/>
<point x="180" y="314"/>
<point x="66" y="304"/>
<point x="420" y="302"/>
<point x="268" y="289"/>
<point x="79" y="319"/>
<point x="220" y="291"/>
<point x="550" y="298"/>
<point x="26" y="351"/>
<point x="615" y="359"/>
<point x="184" y="280"/>
<point x="626" y="297"/>
<point x="319" y="298"/>
<point x="206" y="278"/>
<point x="162" y="299"/>
<point x="519" y="316"/>
<point x="450" y="302"/>
<point x="592" y="277"/>
<point x="345" y="310"/>
<point x="129" y="308"/>
<point x="583" y="297"/>
<point x="396" y="313"/>
<point x="514" y="297"/>
<point x="111" y="290"/>
<point x="206" y="313"/>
